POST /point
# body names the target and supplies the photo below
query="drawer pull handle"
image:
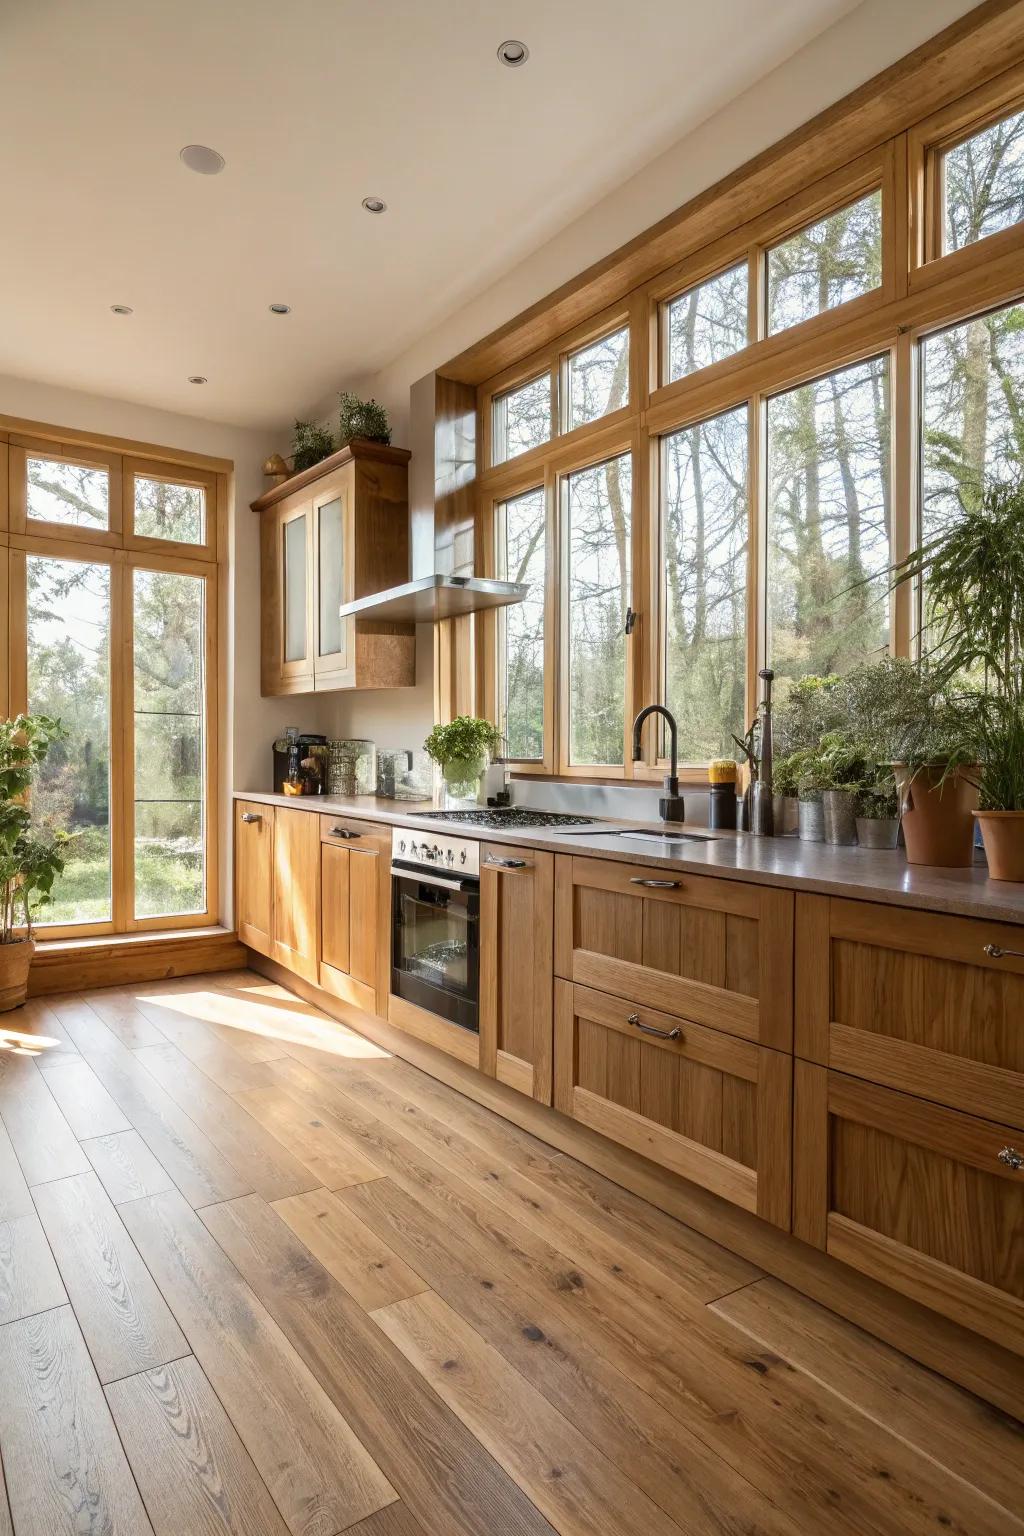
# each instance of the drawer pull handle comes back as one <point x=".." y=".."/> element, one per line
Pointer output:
<point x="344" y="832"/>
<point x="494" y="863"/>
<point x="649" y="1029"/>
<point x="996" y="952"/>
<point x="1012" y="1159"/>
<point x="655" y="885"/>
<point x="250" y="816"/>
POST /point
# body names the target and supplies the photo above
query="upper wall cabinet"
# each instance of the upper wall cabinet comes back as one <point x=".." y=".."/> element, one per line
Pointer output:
<point x="329" y="535"/>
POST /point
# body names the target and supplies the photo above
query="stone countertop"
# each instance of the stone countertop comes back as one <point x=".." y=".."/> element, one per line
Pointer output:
<point x="861" y="874"/>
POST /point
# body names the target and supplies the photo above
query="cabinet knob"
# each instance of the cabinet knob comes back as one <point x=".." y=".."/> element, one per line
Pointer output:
<point x="1012" y="1159"/>
<point x="996" y="952"/>
<point x="655" y="885"/>
<point x="250" y="816"/>
<point x="649" y="1029"/>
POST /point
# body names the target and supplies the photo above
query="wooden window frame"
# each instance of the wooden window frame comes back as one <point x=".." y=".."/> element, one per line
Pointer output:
<point x="490" y="648"/>
<point x="565" y="357"/>
<point x="916" y="298"/>
<point x="497" y="395"/>
<point x="123" y="552"/>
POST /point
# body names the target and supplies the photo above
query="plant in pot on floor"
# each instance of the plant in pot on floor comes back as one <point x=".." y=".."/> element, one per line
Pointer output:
<point x="30" y="860"/>
<point x="461" y="751"/>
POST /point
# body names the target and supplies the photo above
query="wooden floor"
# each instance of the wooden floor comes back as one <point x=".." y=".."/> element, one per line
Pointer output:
<point x="257" y="1276"/>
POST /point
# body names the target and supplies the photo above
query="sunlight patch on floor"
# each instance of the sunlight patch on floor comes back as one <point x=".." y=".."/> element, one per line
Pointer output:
<point x="26" y="1045"/>
<point x="279" y="1016"/>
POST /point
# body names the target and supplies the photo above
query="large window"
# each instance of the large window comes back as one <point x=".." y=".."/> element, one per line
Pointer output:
<point x="521" y="527"/>
<point x="598" y="510"/>
<point x="112" y="580"/>
<point x="820" y="375"/>
<point x="704" y="562"/>
<point x="521" y="419"/>
<point x="828" y="263"/>
<point x="829" y="521"/>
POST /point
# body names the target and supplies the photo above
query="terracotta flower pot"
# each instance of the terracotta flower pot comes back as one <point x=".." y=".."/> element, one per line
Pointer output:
<point x="1003" y="835"/>
<point x="15" y="960"/>
<point x="938" y="818"/>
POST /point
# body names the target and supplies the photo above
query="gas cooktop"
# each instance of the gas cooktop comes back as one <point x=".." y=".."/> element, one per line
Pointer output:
<point x="509" y="816"/>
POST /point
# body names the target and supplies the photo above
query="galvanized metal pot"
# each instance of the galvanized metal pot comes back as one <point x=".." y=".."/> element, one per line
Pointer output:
<point x="840" y="817"/>
<point x="878" y="832"/>
<point x="811" y="821"/>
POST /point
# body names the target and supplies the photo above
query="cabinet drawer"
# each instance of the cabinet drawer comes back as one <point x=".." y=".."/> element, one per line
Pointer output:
<point x="708" y="1106"/>
<point x="350" y="830"/>
<point x="916" y="1001"/>
<point x="923" y="1198"/>
<point x="717" y="952"/>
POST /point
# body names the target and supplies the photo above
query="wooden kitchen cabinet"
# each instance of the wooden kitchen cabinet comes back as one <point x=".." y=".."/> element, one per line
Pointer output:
<point x="716" y="952"/>
<point x="926" y="1199"/>
<point x="296" y="893"/>
<point x="706" y="1105"/>
<point x="355" y="907"/>
<point x="254" y="874"/>
<point x="330" y="535"/>
<point x="516" y="953"/>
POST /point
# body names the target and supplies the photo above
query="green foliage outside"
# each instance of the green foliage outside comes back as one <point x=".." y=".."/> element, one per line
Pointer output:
<point x="30" y="860"/>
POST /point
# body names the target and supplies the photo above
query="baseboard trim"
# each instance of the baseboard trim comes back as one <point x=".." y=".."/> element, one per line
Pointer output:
<point x="972" y="1362"/>
<point x="69" y="965"/>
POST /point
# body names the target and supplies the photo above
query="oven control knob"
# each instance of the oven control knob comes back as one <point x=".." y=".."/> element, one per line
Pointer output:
<point x="401" y="846"/>
<point x="435" y="852"/>
<point x="462" y="856"/>
<point x="450" y="856"/>
<point x="412" y="850"/>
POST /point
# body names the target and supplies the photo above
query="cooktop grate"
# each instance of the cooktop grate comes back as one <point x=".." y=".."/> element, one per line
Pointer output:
<point x="509" y="816"/>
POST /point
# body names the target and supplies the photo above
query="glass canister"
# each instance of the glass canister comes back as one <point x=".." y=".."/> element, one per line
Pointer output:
<point x="352" y="767"/>
<point x="403" y="774"/>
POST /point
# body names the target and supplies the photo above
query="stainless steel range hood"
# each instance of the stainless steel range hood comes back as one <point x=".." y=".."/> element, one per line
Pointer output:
<point x="435" y="597"/>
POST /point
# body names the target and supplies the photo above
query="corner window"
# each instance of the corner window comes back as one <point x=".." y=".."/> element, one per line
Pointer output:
<point x="705" y="324"/>
<point x="521" y="419"/>
<point x="827" y="264"/>
<point x="597" y="379"/>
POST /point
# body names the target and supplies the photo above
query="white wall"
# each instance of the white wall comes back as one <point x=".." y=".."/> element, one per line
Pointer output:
<point x="248" y="722"/>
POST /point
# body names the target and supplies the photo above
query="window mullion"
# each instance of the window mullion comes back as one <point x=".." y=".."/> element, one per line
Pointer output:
<point x="122" y="747"/>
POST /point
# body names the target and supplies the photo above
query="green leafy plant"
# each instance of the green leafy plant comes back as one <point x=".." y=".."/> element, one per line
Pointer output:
<point x="1001" y="738"/>
<point x="362" y="418"/>
<point x="29" y="861"/>
<point x="811" y="707"/>
<point x="785" y="774"/>
<point x="460" y="747"/>
<point x="972" y="575"/>
<point x="310" y="444"/>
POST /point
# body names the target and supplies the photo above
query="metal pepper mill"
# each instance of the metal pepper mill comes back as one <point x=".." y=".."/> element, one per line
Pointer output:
<point x="762" y="812"/>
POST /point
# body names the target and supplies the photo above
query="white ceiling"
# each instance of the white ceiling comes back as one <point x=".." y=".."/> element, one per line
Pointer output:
<point x="315" y="104"/>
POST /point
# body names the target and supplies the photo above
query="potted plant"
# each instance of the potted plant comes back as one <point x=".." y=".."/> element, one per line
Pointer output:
<point x="461" y="750"/>
<point x="878" y="817"/>
<point x="1001" y="790"/>
<point x="836" y="770"/>
<point x="29" y="861"/>
<point x="362" y="418"/>
<point x="785" y="795"/>
<point x="804" y="714"/>
<point x="935" y="760"/>
<point x="310" y="445"/>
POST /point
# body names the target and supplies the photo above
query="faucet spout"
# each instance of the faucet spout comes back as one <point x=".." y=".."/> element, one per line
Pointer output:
<point x="671" y="806"/>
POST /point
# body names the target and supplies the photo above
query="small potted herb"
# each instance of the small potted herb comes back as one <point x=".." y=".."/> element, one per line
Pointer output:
<point x="1001" y="815"/>
<point x="785" y="795"/>
<point x="461" y="750"/>
<point x="878" y="818"/>
<point x="362" y="418"/>
<point x="30" y="861"/>
<point x="310" y="445"/>
<point x="837" y="770"/>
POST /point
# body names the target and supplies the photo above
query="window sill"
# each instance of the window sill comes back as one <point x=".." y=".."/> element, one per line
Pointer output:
<point x="119" y="959"/>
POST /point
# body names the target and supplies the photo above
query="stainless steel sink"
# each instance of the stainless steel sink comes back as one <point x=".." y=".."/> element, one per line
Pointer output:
<point x="667" y="837"/>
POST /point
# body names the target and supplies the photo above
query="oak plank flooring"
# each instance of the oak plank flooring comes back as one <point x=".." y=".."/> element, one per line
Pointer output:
<point x="680" y="1388"/>
<point x="352" y="1252"/>
<point x="66" y="1471"/>
<point x="45" y="1143"/>
<point x="126" y="1167"/>
<point x="445" y="1478"/>
<point x="942" y="1422"/>
<point x="319" y="1475"/>
<point x="126" y="1322"/>
<point x="569" y="1481"/>
<point x="29" y="1278"/>
<point x="36" y="1025"/>
<point x="193" y="1471"/>
<point x="334" y="1161"/>
<point x="197" y="1168"/>
<point x="15" y="1199"/>
<point x="84" y="1102"/>
<point x="266" y="1165"/>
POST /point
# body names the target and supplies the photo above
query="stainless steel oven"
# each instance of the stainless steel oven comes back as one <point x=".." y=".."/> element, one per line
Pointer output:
<point x="435" y="924"/>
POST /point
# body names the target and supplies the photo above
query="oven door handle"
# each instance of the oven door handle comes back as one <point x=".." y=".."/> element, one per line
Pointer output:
<point x="427" y="879"/>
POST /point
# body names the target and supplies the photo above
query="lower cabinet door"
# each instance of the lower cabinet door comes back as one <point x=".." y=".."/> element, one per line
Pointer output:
<point x="715" y="1109"/>
<point x="254" y="875"/>
<point x="297" y="892"/>
<point x="352" y="925"/>
<point x="925" y="1199"/>
<point x="516" y="917"/>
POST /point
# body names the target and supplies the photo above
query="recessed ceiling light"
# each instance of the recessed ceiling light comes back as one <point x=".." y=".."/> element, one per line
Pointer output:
<point x="196" y="378"/>
<point x="513" y="53"/>
<point x="121" y="309"/>
<point x="374" y="204"/>
<point x="280" y="309"/>
<point x="201" y="158"/>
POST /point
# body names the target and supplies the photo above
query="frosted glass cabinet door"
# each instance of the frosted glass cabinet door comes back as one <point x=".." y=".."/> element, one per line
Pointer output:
<point x="332" y="656"/>
<point x="294" y="567"/>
